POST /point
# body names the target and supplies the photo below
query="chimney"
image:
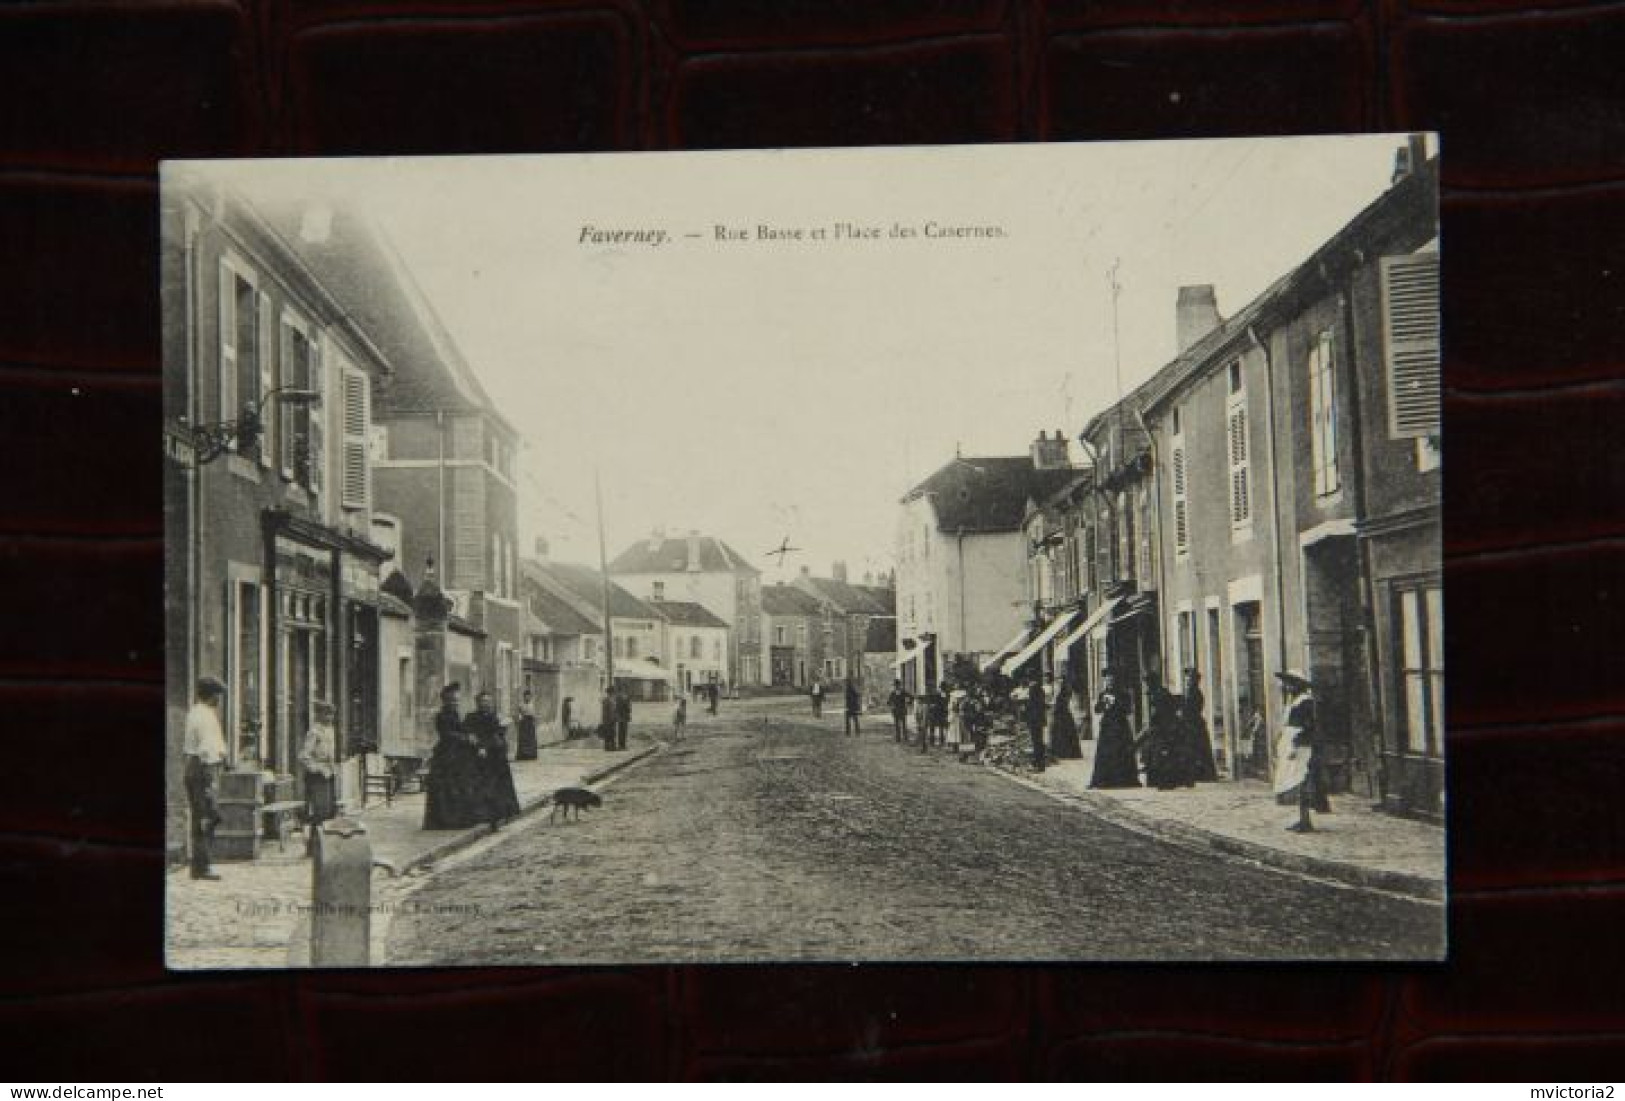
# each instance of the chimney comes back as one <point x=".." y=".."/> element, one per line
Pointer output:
<point x="693" y="552"/>
<point x="805" y="572"/>
<point x="1051" y="454"/>
<point x="837" y="570"/>
<point x="1409" y="157"/>
<point x="657" y="538"/>
<point x="542" y="549"/>
<point x="1196" y="315"/>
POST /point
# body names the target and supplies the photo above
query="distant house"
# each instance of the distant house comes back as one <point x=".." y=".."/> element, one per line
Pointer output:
<point x="637" y="644"/>
<point x="704" y="570"/>
<point x="560" y="656"/>
<point x="848" y="608"/>
<point x="793" y="630"/>
<point x="962" y="557"/>
<point x="696" y="643"/>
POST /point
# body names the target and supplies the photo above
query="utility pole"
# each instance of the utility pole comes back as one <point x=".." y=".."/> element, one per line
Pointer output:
<point x="603" y="573"/>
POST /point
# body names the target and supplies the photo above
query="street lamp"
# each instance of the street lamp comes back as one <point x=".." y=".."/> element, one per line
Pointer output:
<point x="210" y="441"/>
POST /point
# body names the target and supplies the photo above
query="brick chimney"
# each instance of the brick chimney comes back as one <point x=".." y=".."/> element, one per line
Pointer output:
<point x="1051" y="454"/>
<point x="1409" y="157"/>
<point x="837" y="570"/>
<point x="1196" y="314"/>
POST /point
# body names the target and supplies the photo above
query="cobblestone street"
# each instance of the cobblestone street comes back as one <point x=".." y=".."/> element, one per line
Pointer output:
<point x="768" y="835"/>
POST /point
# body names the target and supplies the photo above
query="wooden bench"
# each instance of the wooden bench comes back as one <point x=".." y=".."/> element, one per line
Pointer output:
<point x="281" y="819"/>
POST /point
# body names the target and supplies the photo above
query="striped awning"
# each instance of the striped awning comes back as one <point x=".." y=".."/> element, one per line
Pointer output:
<point x="1056" y="626"/>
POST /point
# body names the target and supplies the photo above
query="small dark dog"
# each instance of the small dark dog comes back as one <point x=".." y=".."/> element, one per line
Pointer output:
<point x="568" y="799"/>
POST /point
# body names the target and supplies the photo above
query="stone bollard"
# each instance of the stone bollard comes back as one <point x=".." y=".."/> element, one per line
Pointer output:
<point x="341" y="914"/>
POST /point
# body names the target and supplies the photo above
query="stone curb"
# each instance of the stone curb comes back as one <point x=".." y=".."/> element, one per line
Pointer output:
<point x="1419" y="887"/>
<point x="536" y="802"/>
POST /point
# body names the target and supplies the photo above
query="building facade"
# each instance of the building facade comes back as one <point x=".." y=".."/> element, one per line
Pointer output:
<point x="793" y="631"/>
<point x="704" y="570"/>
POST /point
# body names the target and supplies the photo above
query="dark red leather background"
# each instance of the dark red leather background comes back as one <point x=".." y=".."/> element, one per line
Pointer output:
<point x="1531" y="103"/>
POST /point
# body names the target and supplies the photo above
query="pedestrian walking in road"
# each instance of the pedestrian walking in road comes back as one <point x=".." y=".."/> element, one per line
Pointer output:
<point x="854" y="708"/>
<point x="1161" y="749"/>
<point x="204" y="749"/>
<point x="938" y="713"/>
<point x="452" y="802"/>
<point x="566" y="710"/>
<point x="1035" y="712"/>
<point x="496" y="799"/>
<point x="525" y="740"/>
<point x="607" y="719"/>
<point x="317" y="760"/>
<point x="623" y="717"/>
<point x="679" y="719"/>
<point x="1298" y="752"/>
<point x="714" y="691"/>
<point x="1115" y="766"/>
<point x="897" y="702"/>
<point x="1063" y="728"/>
<point x="1193" y="727"/>
<point x="817" y="695"/>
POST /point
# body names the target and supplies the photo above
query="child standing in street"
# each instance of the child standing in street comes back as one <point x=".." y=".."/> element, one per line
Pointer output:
<point x="679" y="719"/>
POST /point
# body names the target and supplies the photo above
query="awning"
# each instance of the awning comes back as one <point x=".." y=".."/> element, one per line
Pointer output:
<point x="898" y="663"/>
<point x="1005" y="649"/>
<point x="642" y="669"/>
<point x="1056" y="626"/>
<point x="1091" y="623"/>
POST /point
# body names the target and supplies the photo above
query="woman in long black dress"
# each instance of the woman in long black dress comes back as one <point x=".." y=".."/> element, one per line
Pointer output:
<point x="525" y="743"/>
<point x="1115" y="765"/>
<point x="1162" y="746"/>
<point x="452" y="802"/>
<point x="1063" y="729"/>
<point x="496" y="799"/>
<point x="1198" y="746"/>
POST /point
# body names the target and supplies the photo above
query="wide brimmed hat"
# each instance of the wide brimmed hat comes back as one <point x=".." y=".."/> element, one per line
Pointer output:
<point x="1294" y="677"/>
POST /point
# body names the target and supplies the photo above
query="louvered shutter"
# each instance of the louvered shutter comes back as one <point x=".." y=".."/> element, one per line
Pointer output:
<point x="265" y="338"/>
<point x="1182" y="534"/>
<point x="227" y="319"/>
<point x="315" y="416"/>
<point x="1240" y="503"/>
<point x="1410" y="314"/>
<point x="357" y="416"/>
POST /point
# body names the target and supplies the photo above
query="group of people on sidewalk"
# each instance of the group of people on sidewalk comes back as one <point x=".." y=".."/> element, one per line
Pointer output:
<point x="470" y="782"/>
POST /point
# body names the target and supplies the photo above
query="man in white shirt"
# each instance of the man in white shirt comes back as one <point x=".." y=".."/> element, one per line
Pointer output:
<point x="204" y="750"/>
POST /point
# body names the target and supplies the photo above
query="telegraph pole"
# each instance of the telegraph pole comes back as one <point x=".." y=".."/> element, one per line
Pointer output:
<point x="603" y="573"/>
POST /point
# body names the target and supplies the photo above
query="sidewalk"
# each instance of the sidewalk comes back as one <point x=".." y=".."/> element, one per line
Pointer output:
<point x="251" y="915"/>
<point x="1354" y="844"/>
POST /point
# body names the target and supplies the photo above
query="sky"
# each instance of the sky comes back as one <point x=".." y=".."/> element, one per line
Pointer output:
<point x="770" y="388"/>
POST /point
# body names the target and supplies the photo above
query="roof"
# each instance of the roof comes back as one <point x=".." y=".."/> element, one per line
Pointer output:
<point x="782" y="599"/>
<point x="882" y="637"/>
<point x="987" y="494"/>
<point x="361" y="270"/>
<point x="685" y="613"/>
<point x="587" y="585"/>
<point x="667" y="555"/>
<point x="850" y="599"/>
<point x="556" y="612"/>
<point x="882" y="596"/>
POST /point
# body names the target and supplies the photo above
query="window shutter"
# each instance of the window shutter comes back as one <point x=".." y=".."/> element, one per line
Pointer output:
<point x="315" y="416"/>
<point x="357" y="416"/>
<point x="1240" y="505"/>
<point x="1410" y="314"/>
<point x="1182" y="533"/>
<point x="228" y="343"/>
<point x="265" y="338"/>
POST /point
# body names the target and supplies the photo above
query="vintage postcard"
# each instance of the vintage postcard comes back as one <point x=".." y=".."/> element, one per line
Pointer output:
<point x="948" y="553"/>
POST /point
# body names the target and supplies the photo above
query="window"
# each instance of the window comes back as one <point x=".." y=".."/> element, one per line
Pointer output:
<point x="694" y="645"/>
<point x="1241" y="503"/>
<point x="1421" y="639"/>
<point x="296" y="455"/>
<point x="801" y="634"/>
<point x="1182" y="527"/>
<point x="1410" y="316"/>
<point x="658" y="590"/>
<point x="631" y="647"/>
<point x="1323" y="415"/>
<point x="1235" y="377"/>
<point x="716" y="650"/>
<point x="241" y="358"/>
<point x="356" y="473"/>
<point x="779" y="635"/>
<point x="1186" y="635"/>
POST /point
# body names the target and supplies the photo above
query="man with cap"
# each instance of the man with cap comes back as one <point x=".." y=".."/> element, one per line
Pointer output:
<point x="203" y="747"/>
<point x="1297" y="751"/>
